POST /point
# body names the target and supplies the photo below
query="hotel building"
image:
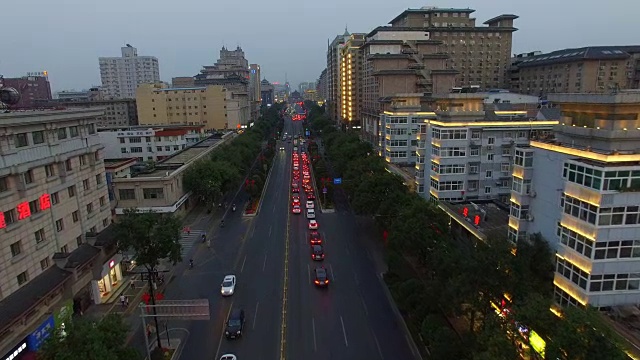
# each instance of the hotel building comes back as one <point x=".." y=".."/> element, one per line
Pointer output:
<point x="350" y="88"/>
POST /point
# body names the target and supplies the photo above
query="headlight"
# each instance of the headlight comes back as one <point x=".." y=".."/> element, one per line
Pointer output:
<point x="238" y="332"/>
<point x="226" y="333"/>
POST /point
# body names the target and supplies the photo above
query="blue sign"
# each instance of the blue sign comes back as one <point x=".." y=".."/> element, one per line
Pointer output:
<point x="307" y="133"/>
<point x="324" y="190"/>
<point x="337" y="181"/>
<point x="37" y="338"/>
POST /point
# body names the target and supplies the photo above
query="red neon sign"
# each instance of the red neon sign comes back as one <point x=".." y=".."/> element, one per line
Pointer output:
<point x="465" y="211"/>
<point x="3" y="223"/>
<point x="476" y="220"/>
<point x="45" y="202"/>
<point x="23" y="210"/>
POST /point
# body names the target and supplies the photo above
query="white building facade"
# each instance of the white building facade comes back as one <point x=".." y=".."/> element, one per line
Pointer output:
<point x="121" y="75"/>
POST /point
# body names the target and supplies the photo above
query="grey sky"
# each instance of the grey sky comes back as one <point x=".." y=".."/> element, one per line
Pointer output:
<point x="66" y="37"/>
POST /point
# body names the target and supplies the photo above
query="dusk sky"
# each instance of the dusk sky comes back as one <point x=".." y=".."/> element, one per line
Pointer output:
<point x="66" y="37"/>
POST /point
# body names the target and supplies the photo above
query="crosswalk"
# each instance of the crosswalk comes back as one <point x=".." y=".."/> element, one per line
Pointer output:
<point x="189" y="239"/>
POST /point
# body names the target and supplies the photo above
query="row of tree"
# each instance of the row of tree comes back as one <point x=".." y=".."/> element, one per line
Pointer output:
<point x="466" y="300"/>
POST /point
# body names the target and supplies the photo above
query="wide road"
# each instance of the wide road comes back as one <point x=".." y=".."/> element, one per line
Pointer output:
<point x="351" y="319"/>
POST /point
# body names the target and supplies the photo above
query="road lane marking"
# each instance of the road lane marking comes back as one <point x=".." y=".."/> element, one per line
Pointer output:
<point x="364" y="304"/>
<point x="344" y="332"/>
<point x="222" y="330"/>
<point x="270" y="228"/>
<point x="333" y="276"/>
<point x="264" y="263"/>
<point x="377" y="345"/>
<point x="285" y="288"/>
<point x="313" y="325"/>
<point x="255" y="316"/>
<point x="243" y="261"/>
<point x="253" y="231"/>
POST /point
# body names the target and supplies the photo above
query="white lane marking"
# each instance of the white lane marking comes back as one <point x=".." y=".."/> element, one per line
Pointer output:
<point x="364" y="304"/>
<point x="222" y="330"/>
<point x="253" y="231"/>
<point x="313" y="325"/>
<point x="333" y="276"/>
<point x="344" y="332"/>
<point x="264" y="263"/>
<point x="378" y="346"/>
<point x="270" y="228"/>
<point x="309" y="273"/>
<point x="243" y="261"/>
<point x="255" y="316"/>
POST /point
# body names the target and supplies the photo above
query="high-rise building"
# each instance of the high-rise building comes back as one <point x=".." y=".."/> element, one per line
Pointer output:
<point x="579" y="188"/>
<point x="121" y="75"/>
<point x="231" y="71"/>
<point x="481" y="54"/>
<point x="333" y="73"/>
<point x="351" y="88"/>
<point x="304" y="86"/>
<point x="266" y="93"/>
<point x="54" y="210"/>
<point x="596" y="69"/>
<point x="32" y="88"/>
<point x="321" y="86"/>
<point x="254" y="89"/>
<point x="204" y="105"/>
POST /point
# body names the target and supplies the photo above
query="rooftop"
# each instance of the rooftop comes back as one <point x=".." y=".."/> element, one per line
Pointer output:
<point x="114" y="164"/>
<point x="153" y="127"/>
<point x="27" y="117"/>
<point x="430" y="10"/>
<point x="577" y="54"/>
<point x="621" y="97"/>
<point x="493" y="216"/>
<point x="182" y="89"/>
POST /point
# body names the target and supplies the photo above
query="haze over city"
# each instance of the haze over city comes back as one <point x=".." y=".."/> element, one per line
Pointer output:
<point x="67" y="37"/>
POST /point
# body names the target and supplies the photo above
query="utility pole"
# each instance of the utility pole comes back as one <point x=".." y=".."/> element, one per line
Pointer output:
<point x="151" y="272"/>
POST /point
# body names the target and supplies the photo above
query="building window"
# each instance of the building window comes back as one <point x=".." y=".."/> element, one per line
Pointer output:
<point x="4" y="185"/>
<point x="490" y="157"/>
<point x="75" y="216"/>
<point x="62" y="133"/>
<point x="491" y="141"/>
<point x="44" y="263"/>
<point x="72" y="191"/>
<point x="475" y="134"/>
<point x="68" y="165"/>
<point x="73" y="130"/>
<point x="85" y="185"/>
<point x="34" y="207"/>
<point x="79" y="240"/>
<point x="99" y="179"/>
<point x="23" y="277"/>
<point x="89" y="208"/>
<point x="91" y="129"/>
<point x="50" y="170"/>
<point x="136" y="139"/>
<point x="10" y="216"/>
<point x="488" y="174"/>
<point x="40" y="236"/>
<point x="103" y="201"/>
<point x="487" y="189"/>
<point x="59" y="225"/>
<point x="121" y="140"/>
<point x="105" y="222"/>
<point x="153" y="193"/>
<point x="136" y="149"/>
<point x="474" y="152"/>
<point x="523" y="158"/>
<point x="64" y="249"/>
<point x="38" y="137"/>
<point x="28" y="177"/>
<point x="16" y="248"/>
<point x="127" y="194"/>
<point x="83" y="160"/>
<point x="572" y="272"/>
<point x="21" y="140"/>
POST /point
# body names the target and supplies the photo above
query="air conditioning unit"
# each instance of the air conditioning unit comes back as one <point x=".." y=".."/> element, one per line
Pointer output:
<point x="529" y="217"/>
<point x="489" y="147"/>
<point x="532" y="194"/>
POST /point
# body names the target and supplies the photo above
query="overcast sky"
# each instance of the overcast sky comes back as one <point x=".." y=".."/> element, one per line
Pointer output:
<point x="66" y="37"/>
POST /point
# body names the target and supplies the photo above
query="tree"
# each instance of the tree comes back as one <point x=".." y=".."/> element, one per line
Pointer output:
<point x="88" y="340"/>
<point x="203" y="181"/>
<point x="152" y="236"/>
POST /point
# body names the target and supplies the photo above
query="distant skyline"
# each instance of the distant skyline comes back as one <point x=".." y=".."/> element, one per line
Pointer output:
<point x="282" y="36"/>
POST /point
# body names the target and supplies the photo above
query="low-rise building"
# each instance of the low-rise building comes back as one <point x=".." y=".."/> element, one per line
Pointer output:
<point x="202" y="105"/>
<point x="160" y="188"/>
<point x="54" y="210"/>
<point x="146" y="143"/>
<point x="32" y="87"/>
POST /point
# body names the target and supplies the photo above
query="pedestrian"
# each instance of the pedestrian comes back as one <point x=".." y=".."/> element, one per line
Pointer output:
<point x="126" y="301"/>
<point x="123" y="300"/>
<point x="188" y="231"/>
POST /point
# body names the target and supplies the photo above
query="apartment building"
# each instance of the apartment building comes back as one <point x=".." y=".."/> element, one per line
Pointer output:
<point x="32" y="87"/>
<point x="579" y="189"/>
<point x="595" y="69"/>
<point x="117" y="112"/>
<point x="161" y="189"/>
<point x="350" y="89"/>
<point x="481" y="54"/>
<point x="202" y="105"/>
<point x="146" y="143"/>
<point x="121" y="75"/>
<point x="321" y="86"/>
<point x="469" y="148"/>
<point x="333" y="73"/>
<point x="402" y="69"/>
<point x="53" y="199"/>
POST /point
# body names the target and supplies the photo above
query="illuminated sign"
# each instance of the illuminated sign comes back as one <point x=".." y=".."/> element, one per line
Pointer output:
<point x="13" y="354"/>
<point x="37" y="338"/>
<point x="476" y="218"/>
<point x="24" y="209"/>
<point x="38" y="73"/>
<point x="112" y="263"/>
<point x="537" y="343"/>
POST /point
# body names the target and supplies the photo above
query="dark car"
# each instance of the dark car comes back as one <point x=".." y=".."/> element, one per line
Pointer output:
<point x="311" y="196"/>
<point x="317" y="253"/>
<point x="235" y="324"/>
<point x="321" y="277"/>
<point x="314" y="238"/>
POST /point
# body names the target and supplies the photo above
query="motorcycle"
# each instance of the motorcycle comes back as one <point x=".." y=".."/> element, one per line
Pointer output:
<point x="233" y="208"/>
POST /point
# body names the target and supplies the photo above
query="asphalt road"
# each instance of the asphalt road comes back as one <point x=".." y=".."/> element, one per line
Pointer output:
<point x="352" y="318"/>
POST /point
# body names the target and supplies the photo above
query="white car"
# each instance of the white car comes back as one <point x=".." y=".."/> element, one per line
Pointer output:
<point x="313" y="225"/>
<point x="228" y="286"/>
<point x="310" y="204"/>
<point x="228" y="357"/>
<point x="311" y="214"/>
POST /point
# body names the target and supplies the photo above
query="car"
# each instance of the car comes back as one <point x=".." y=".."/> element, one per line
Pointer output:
<point x="295" y="202"/>
<point x="295" y="168"/>
<point x="235" y="324"/>
<point x="228" y="357"/>
<point x="295" y="189"/>
<point x="321" y="278"/>
<point x="317" y="253"/>
<point x="310" y="204"/>
<point x="295" y="197"/>
<point x="296" y="209"/>
<point x="311" y="195"/>
<point x="281" y="148"/>
<point x="295" y="148"/>
<point x="313" y="225"/>
<point x="311" y="214"/>
<point x="314" y="238"/>
<point x="228" y="286"/>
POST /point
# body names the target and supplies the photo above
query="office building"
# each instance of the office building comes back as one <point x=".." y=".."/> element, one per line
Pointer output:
<point x="147" y="143"/>
<point x="595" y="69"/>
<point x="310" y="95"/>
<point x="350" y="90"/>
<point x="54" y="205"/>
<point x="280" y="92"/>
<point x="254" y="90"/>
<point x="333" y="74"/>
<point x="94" y="93"/>
<point x="402" y="70"/>
<point x="266" y="93"/>
<point x="481" y="54"/>
<point x="117" y="112"/>
<point x="304" y="86"/>
<point x="203" y="105"/>
<point x="121" y="75"/>
<point x="183" y="81"/>
<point x="579" y="189"/>
<point x="321" y="86"/>
<point x="161" y="188"/>
<point x="32" y="88"/>
<point x="231" y="71"/>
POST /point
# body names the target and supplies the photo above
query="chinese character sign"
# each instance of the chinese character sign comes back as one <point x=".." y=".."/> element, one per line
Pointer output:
<point x="3" y="222"/>
<point x="23" y="210"/>
<point x="45" y="201"/>
<point x="476" y="220"/>
<point x="37" y="338"/>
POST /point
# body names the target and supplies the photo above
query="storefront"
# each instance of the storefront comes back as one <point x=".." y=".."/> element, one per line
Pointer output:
<point x="110" y="279"/>
<point x="18" y="352"/>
